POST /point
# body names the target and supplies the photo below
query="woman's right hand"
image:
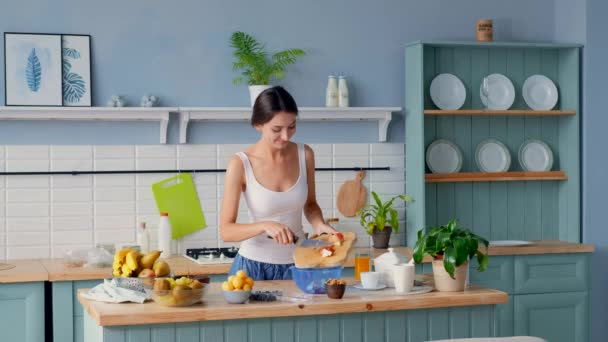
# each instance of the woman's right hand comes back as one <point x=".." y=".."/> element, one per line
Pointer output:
<point x="279" y="232"/>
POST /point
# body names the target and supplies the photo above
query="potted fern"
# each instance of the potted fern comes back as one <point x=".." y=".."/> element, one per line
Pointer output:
<point x="380" y="219"/>
<point x="257" y="68"/>
<point x="451" y="247"/>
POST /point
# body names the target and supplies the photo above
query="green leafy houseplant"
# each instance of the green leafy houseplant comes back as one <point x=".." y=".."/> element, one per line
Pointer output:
<point x="257" y="68"/>
<point x="381" y="214"/>
<point x="455" y="245"/>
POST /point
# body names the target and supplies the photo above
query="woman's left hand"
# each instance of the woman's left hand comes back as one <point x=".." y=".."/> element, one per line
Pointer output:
<point x="325" y="228"/>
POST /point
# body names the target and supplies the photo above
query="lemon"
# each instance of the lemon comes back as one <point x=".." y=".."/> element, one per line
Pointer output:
<point x="246" y="287"/>
<point x="249" y="281"/>
<point x="238" y="283"/>
<point x="227" y="286"/>
<point x="231" y="278"/>
<point x="241" y="274"/>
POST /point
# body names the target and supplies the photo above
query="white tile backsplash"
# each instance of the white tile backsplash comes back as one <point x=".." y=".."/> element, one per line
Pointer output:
<point x="27" y="152"/>
<point x="72" y="195"/>
<point x="27" y="224"/>
<point x="71" y="152"/>
<point x="27" y="195"/>
<point x="22" y="165"/>
<point x="41" y="216"/>
<point x="27" y="210"/>
<point x="114" y="152"/>
<point x="33" y="252"/>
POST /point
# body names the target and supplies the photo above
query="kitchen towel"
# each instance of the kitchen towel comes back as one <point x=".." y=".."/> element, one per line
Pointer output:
<point x="111" y="291"/>
<point x="177" y="196"/>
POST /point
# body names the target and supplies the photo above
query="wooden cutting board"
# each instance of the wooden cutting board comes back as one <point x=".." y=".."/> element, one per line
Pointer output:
<point x="310" y="257"/>
<point x="351" y="196"/>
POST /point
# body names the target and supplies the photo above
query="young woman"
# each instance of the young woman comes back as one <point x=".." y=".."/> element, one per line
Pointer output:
<point x="277" y="178"/>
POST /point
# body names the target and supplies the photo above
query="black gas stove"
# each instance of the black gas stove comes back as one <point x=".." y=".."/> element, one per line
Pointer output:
<point x="212" y="255"/>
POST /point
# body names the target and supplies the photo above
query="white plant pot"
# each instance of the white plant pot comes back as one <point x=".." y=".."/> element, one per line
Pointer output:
<point x="255" y="90"/>
<point x="443" y="281"/>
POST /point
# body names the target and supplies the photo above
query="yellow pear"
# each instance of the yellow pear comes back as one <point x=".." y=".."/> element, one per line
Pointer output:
<point x="147" y="261"/>
<point x="161" y="268"/>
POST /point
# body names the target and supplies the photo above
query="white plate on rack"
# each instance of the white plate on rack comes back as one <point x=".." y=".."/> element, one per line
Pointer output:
<point x="443" y="156"/>
<point x="448" y="92"/>
<point x="492" y="156"/>
<point x="379" y="287"/>
<point x="510" y="243"/>
<point x="535" y="155"/>
<point x="540" y="93"/>
<point x="500" y="92"/>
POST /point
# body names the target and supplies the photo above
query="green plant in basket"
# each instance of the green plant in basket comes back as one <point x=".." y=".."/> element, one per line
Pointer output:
<point x="456" y="245"/>
<point x="380" y="215"/>
<point x="253" y="60"/>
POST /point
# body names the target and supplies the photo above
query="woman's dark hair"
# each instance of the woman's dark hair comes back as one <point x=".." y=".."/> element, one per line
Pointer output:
<point x="270" y="102"/>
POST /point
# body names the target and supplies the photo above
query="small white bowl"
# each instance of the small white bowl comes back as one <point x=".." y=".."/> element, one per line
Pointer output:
<point x="237" y="296"/>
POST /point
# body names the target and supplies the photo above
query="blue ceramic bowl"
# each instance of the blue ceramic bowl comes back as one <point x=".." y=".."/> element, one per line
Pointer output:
<point x="312" y="280"/>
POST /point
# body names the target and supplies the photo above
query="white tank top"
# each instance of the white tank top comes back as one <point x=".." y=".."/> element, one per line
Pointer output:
<point x="266" y="205"/>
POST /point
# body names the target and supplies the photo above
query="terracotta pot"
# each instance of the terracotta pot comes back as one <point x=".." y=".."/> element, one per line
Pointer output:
<point x="381" y="237"/>
<point x="443" y="281"/>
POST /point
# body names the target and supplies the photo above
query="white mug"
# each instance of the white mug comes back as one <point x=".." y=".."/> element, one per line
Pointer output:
<point x="403" y="275"/>
<point x="369" y="280"/>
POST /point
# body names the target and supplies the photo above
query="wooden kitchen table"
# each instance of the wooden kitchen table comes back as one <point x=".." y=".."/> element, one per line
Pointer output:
<point x="360" y="315"/>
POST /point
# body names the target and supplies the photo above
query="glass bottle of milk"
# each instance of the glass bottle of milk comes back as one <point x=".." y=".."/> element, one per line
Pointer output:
<point x="342" y="91"/>
<point x="331" y="94"/>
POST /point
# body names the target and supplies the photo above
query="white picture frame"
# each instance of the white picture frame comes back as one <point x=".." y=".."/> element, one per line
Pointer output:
<point x="76" y="59"/>
<point x="32" y="69"/>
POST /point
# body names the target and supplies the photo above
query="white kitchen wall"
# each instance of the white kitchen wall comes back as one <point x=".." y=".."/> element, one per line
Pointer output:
<point x="42" y="216"/>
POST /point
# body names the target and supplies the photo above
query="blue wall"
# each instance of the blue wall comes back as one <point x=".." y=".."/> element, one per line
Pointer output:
<point x="179" y="51"/>
<point x="595" y="162"/>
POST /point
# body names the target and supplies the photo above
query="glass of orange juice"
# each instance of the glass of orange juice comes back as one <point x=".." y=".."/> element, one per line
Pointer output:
<point x="362" y="262"/>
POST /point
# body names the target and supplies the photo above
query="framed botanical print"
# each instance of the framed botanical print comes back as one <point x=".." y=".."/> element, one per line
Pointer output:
<point x="76" y="59"/>
<point x="32" y="69"/>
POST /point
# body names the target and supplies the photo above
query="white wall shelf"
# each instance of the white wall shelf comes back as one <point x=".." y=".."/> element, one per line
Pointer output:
<point x="161" y="114"/>
<point x="156" y="114"/>
<point x="381" y="114"/>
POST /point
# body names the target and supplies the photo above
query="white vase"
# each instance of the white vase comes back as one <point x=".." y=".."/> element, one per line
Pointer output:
<point x="255" y="90"/>
<point x="445" y="283"/>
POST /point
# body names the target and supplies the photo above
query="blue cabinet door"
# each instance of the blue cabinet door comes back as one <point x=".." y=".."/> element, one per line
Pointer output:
<point x="556" y="317"/>
<point x="22" y="312"/>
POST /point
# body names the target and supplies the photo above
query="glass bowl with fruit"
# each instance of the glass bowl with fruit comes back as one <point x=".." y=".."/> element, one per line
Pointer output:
<point x="237" y="288"/>
<point x="182" y="291"/>
<point x="136" y="271"/>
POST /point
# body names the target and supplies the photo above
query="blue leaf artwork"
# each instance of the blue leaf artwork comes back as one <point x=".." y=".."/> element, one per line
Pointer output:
<point x="73" y="87"/>
<point x="73" y="84"/>
<point x="33" y="71"/>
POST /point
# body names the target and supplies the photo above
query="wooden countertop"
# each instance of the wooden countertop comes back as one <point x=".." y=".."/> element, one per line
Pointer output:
<point x="58" y="271"/>
<point x="55" y="269"/>
<point x="24" y="271"/>
<point x="539" y="247"/>
<point x="215" y="307"/>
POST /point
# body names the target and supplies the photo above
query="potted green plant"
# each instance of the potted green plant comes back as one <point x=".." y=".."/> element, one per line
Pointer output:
<point x="451" y="247"/>
<point x="380" y="219"/>
<point x="257" y="68"/>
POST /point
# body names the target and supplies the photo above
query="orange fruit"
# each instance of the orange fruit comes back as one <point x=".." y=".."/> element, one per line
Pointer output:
<point x="246" y="287"/>
<point x="249" y="281"/>
<point x="241" y="274"/>
<point x="227" y="286"/>
<point x="238" y="283"/>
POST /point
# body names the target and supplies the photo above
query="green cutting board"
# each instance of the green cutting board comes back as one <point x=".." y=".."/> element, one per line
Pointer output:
<point x="177" y="196"/>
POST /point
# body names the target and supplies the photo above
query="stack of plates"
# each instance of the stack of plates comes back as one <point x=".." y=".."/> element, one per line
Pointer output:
<point x="535" y="155"/>
<point x="492" y="156"/>
<point x="443" y="156"/>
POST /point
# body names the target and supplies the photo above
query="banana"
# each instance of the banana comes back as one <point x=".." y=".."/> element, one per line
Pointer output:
<point x="121" y="254"/>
